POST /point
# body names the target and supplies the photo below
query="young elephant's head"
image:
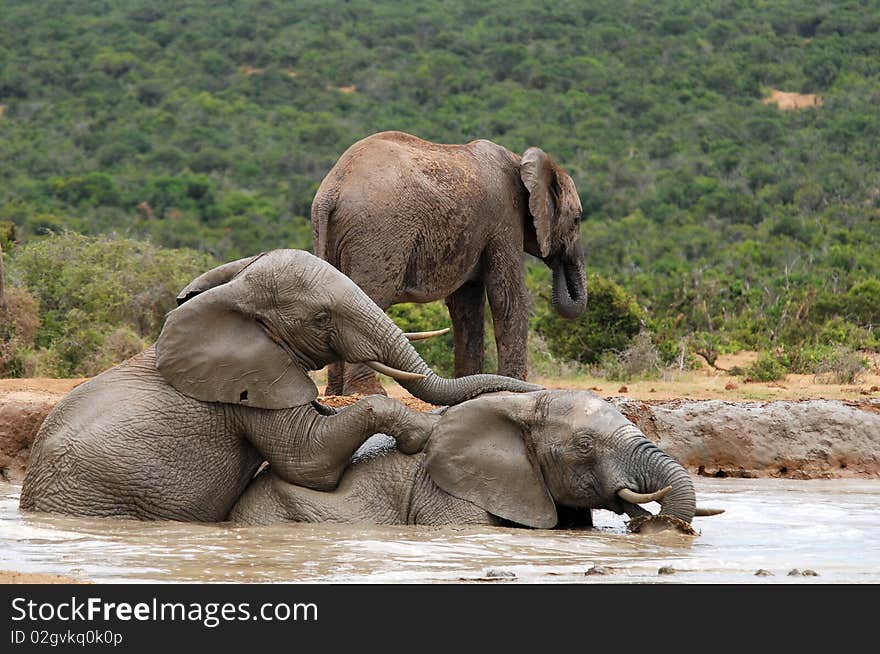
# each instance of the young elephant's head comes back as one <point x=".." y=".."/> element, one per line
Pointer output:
<point x="519" y="456"/>
<point x="249" y="331"/>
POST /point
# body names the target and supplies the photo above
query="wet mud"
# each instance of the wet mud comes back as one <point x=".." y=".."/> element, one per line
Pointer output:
<point x="770" y="528"/>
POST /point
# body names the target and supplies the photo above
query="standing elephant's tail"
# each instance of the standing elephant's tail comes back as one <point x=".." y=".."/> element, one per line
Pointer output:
<point x="322" y="207"/>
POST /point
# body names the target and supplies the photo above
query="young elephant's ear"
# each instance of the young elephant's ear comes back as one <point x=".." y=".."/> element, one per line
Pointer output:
<point x="215" y="277"/>
<point x="477" y="453"/>
<point x="211" y="351"/>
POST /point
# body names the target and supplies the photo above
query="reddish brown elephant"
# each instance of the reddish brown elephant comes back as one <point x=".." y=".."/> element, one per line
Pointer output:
<point x="413" y="221"/>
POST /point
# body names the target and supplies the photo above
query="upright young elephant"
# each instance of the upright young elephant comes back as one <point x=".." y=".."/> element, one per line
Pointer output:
<point x="498" y="458"/>
<point x="413" y="221"/>
<point x="178" y="431"/>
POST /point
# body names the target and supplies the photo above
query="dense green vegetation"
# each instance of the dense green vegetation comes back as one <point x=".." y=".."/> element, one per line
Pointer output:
<point x="730" y="222"/>
<point x="82" y="304"/>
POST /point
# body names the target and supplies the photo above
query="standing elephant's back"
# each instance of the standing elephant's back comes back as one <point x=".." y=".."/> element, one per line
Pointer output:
<point x="409" y="217"/>
<point x="111" y="445"/>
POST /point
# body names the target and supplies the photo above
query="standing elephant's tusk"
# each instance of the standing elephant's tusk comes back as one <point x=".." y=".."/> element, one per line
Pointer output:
<point x="420" y="336"/>
<point x="702" y="513"/>
<point x="643" y="498"/>
<point x="394" y="372"/>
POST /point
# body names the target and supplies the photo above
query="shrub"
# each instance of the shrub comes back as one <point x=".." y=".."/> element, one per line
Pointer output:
<point x="806" y="359"/>
<point x="19" y="324"/>
<point x="90" y="288"/>
<point x="767" y="367"/>
<point x="542" y="362"/>
<point x="611" y="319"/>
<point x="119" y="344"/>
<point x="640" y="360"/>
<point x="841" y="366"/>
<point x="43" y="363"/>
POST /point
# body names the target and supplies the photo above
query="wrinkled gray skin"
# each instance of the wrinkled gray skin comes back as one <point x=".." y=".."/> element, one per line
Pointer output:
<point x="523" y="458"/>
<point x="178" y="431"/>
<point x="413" y="221"/>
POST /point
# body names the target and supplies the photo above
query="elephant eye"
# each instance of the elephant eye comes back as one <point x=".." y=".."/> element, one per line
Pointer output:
<point x="584" y="441"/>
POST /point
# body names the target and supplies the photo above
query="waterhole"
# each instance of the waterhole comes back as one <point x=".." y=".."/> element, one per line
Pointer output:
<point x="775" y="526"/>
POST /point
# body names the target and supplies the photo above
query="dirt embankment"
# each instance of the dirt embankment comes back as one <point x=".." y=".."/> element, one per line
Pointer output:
<point x="717" y="436"/>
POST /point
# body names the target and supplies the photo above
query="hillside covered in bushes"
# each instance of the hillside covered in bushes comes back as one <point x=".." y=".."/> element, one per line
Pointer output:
<point x="714" y="219"/>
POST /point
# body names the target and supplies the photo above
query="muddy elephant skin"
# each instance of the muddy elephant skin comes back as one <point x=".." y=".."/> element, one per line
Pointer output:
<point x="413" y="221"/>
<point x="501" y="458"/>
<point x="178" y="431"/>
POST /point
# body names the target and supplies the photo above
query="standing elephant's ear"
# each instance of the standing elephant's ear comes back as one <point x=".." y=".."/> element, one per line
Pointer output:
<point x="211" y="350"/>
<point x="477" y="453"/>
<point x="553" y="199"/>
<point x="536" y="173"/>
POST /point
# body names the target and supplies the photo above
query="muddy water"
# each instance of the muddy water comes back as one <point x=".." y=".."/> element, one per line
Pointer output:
<point x="830" y="527"/>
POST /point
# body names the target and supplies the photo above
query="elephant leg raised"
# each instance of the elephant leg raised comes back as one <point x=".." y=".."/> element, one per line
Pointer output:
<point x="309" y="449"/>
<point x="467" y="309"/>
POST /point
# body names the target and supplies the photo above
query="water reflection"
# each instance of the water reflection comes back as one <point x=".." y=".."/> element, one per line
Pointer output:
<point x="831" y="527"/>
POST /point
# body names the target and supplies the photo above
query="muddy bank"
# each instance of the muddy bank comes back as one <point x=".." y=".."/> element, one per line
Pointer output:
<point x="809" y="439"/>
<point x="21" y="414"/>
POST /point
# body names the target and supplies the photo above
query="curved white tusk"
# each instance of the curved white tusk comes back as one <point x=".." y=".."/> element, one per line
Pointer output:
<point x="394" y="372"/>
<point x="702" y="513"/>
<point x="642" y="498"/>
<point x="420" y="336"/>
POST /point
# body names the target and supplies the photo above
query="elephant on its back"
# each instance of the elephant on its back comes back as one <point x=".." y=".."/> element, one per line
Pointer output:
<point x="413" y="221"/>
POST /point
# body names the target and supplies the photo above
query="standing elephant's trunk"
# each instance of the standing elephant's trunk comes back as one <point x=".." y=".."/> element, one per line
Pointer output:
<point x="569" y="297"/>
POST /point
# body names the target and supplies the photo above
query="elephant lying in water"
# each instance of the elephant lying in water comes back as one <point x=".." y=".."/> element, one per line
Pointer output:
<point x="178" y="431"/>
<point x="499" y="458"/>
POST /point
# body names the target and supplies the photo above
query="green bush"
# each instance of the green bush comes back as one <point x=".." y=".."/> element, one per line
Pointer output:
<point x="100" y="299"/>
<point x="438" y="351"/>
<point x="612" y="318"/>
<point x="19" y="324"/>
<point x="767" y="367"/>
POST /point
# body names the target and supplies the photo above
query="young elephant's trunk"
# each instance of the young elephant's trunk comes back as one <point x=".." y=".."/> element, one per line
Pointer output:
<point x="439" y="390"/>
<point x="656" y="470"/>
<point x="399" y="354"/>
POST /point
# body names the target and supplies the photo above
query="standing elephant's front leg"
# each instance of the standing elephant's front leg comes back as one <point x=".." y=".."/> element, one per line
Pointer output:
<point x="307" y="448"/>
<point x="508" y="300"/>
<point x="467" y="309"/>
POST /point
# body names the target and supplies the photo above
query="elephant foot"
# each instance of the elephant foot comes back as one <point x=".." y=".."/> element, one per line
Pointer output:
<point x="362" y="387"/>
<point x="652" y="524"/>
<point x="333" y="389"/>
<point x="413" y="436"/>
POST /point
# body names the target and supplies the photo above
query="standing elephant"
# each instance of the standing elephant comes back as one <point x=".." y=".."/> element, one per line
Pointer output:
<point x="413" y="221"/>
<point x="502" y="457"/>
<point x="178" y="431"/>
